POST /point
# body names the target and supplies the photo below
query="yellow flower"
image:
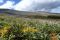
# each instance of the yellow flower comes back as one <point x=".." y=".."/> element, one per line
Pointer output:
<point x="3" y="31"/>
<point x="29" y="29"/>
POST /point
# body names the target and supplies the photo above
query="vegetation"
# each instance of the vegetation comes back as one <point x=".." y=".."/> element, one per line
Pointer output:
<point x="18" y="28"/>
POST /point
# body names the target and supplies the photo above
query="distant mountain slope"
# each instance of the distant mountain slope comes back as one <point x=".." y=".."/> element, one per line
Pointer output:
<point x="30" y="14"/>
<point x="21" y="12"/>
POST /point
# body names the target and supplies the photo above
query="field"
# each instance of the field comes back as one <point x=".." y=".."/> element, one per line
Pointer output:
<point x="20" y="28"/>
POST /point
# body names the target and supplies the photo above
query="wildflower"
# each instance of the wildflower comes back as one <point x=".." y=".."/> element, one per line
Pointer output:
<point x="29" y="29"/>
<point x="3" y="31"/>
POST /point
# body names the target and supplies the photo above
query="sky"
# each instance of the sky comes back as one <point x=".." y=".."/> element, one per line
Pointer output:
<point x="31" y="5"/>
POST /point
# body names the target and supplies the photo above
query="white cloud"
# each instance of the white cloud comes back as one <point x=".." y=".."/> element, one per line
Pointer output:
<point x="35" y="4"/>
<point x="7" y="5"/>
<point x="23" y="5"/>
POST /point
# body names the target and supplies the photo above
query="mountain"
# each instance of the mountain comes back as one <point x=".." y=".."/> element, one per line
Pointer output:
<point x="37" y="14"/>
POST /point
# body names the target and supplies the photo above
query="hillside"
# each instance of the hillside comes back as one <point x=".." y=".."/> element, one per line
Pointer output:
<point x="28" y="14"/>
<point x="23" y="25"/>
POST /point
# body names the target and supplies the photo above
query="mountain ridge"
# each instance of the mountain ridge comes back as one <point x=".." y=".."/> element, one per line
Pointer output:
<point x="30" y="14"/>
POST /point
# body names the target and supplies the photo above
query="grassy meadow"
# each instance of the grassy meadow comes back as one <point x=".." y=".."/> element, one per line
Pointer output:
<point x="20" y="28"/>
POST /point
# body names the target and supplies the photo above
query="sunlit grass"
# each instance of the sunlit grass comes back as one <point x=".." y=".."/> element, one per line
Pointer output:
<point x="29" y="29"/>
<point x="12" y="27"/>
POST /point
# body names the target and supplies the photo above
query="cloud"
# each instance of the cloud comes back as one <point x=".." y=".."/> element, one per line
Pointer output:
<point x="7" y="5"/>
<point x="46" y="6"/>
<point x="56" y="10"/>
<point x="37" y="5"/>
<point x="23" y="5"/>
<point x="33" y="5"/>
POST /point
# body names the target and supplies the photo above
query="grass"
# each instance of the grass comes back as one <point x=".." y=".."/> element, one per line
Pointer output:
<point x="19" y="28"/>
